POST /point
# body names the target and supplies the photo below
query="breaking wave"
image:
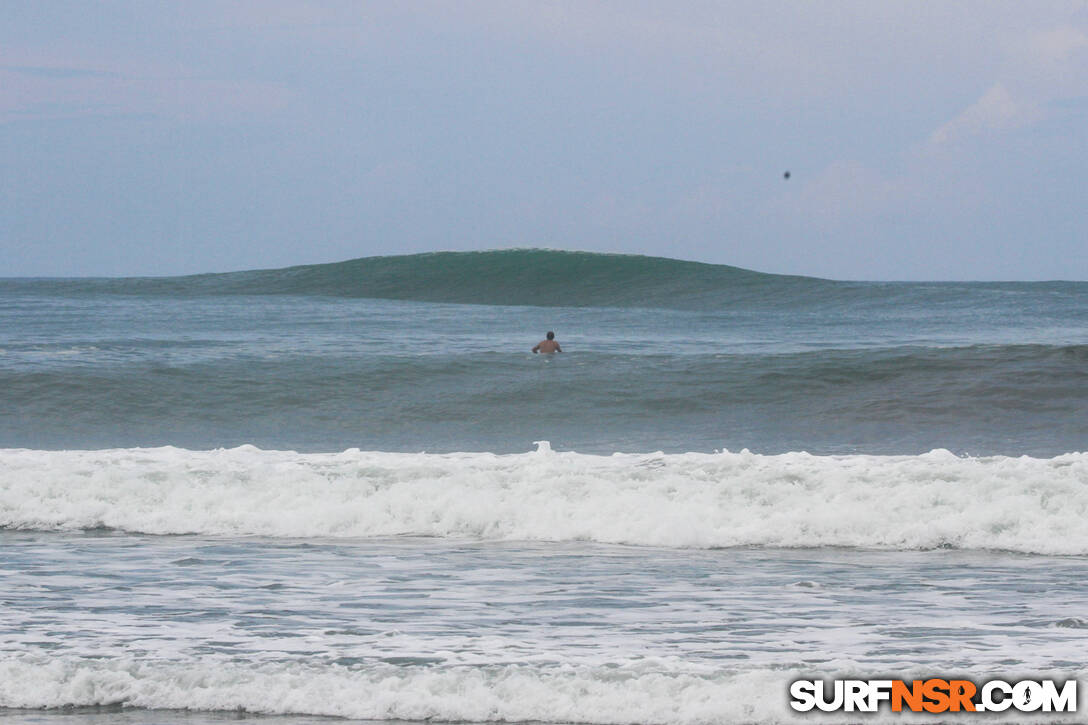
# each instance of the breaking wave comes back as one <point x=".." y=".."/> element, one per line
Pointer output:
<point x="644" y="691"/>
<point x="690" y="500"/>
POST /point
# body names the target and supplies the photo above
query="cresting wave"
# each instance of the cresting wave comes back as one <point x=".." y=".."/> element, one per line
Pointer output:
<point x="693" y="500"/>
<point x="553" y="278"/>
<point x="500" y="277"/>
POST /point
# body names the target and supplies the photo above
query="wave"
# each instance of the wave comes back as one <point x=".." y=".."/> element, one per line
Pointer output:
<point x="559" y="278"/>
<point x="644" y="691"/>
<point x="691" y="500"/>
<point x="985" y="399"/>
<point x="499" y="277"/>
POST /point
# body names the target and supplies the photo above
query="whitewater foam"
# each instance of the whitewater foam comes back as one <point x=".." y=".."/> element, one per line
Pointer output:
<point x="692" y="500"/>
<point x="630" y="693"/>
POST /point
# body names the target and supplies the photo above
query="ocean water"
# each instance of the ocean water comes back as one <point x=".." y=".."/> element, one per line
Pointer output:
<point x="350" y="490"/>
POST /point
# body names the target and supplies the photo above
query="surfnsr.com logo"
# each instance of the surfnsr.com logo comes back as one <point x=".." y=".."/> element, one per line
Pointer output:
<point x="934" y="695"/>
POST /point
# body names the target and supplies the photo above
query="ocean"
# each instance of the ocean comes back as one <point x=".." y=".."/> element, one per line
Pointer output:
<point x="351" y="491"/>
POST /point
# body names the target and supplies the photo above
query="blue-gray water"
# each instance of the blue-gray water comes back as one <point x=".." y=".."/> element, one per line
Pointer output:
<point x="318" y="491"/>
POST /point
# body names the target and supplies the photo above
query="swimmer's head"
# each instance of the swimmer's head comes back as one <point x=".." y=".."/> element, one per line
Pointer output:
<point x="551" y="335"/>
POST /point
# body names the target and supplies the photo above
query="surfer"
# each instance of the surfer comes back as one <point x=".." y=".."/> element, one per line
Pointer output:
<point x="549" y="345"/>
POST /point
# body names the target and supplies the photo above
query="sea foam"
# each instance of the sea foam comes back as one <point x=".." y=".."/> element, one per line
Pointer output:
<point x="692" y="500"/>
<point x="646" y="692"/>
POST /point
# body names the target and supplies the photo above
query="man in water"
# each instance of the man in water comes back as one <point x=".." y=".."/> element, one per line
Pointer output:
<point x="549" y="345"/>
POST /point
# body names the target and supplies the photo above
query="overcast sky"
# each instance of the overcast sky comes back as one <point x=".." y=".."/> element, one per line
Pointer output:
<point x="925" y="140"/>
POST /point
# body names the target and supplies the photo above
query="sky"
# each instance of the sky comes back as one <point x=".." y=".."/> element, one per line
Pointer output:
<point x="924" y="140"/>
